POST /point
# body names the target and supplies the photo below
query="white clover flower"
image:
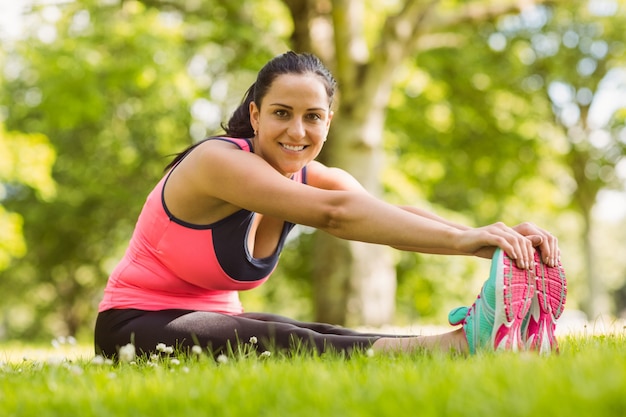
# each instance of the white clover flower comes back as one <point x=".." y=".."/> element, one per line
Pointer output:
<point x="76" y="370"/>
<point x="222" y="358"/>
<point x="168" y="350"/>
<point x="175" y="361"/>
<point x="71" y="340"/>
<point x="154" y="357"/>
<point x="127" y="353"/>
<point x="160" y="347"/>
<point x="98" y="360"/>
<point x="253" y="340"/>
<point x="196" y="350"/>
<point x="108" y="361"/>
<point x="185" y="369"/>
<point x="55" y="360"/>
<point x="369" y="352"/>
<point x="266" y="354"/>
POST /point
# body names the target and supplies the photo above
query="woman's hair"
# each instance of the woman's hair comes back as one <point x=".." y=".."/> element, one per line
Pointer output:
<point x="238" y="125"/>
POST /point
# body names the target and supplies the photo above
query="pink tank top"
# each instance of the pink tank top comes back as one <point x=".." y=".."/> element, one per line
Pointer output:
<point x="171" y="264"/>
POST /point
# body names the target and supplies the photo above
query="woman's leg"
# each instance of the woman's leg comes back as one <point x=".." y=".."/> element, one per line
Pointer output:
<point x="323" y="328"/>
<point x="451" y="342"/>
<point x="454" y="341"/>
<point x="183" y="329"/>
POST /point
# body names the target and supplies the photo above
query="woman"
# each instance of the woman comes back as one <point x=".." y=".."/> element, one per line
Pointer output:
<point x="216" y="222"/>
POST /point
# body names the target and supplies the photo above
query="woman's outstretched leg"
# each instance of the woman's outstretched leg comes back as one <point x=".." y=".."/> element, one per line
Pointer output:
<point x="451" y="342"/>
<point x="323" y="328"/>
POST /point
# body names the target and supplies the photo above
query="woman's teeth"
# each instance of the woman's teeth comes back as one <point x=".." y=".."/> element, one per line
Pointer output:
<point x="292" y="148"/>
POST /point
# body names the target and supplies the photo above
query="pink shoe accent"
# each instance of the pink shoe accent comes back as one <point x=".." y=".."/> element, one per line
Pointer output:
<point x="518" y="289"/>
<point x="550" y="299"/>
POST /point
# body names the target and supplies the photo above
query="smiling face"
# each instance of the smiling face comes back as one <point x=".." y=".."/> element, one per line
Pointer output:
<point x="291" y="122"/>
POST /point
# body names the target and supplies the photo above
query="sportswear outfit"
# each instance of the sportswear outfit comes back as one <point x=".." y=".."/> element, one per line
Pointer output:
<point x="178" y="284"/>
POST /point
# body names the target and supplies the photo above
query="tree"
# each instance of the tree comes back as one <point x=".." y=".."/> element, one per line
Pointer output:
<point x="588" y="39"/>
<point x="535" y="83"/>
<point x="365" y="44"/>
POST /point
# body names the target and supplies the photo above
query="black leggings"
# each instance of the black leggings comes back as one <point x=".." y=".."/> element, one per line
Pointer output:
<point x="183" y="329"/>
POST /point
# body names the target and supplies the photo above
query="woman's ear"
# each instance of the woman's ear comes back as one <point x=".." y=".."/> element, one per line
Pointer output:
<point x="330" y="117"/>
<point x="254" y="116"/>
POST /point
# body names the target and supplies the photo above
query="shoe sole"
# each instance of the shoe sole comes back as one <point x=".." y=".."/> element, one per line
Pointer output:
<point x="515" y="289"/>
<point x="551" y="293"/>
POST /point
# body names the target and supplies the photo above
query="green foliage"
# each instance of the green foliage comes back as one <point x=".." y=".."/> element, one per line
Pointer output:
<point x="27" y="159"/>
<point x="114" y="101"/>
<point x="118" y="88"/>
<point x="588" y="378"/>
<point x="578" y="56"/>
<point x="479" y="134"/>
<point x="514" y="124"/>
<point x="490" y="101"/>
<point x="12" y="244"/>
<point x="26" y="162"/>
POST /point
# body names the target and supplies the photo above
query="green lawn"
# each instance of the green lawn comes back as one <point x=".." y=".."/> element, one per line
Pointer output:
<point x="588" y="378"/>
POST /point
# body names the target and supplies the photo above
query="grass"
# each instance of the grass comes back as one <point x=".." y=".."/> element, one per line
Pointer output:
<point x="588" y="377"/>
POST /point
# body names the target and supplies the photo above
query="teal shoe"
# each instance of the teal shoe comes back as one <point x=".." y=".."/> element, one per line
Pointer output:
<point x="495" y="319"/>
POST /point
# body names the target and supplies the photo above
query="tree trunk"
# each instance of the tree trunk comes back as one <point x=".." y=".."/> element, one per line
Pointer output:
<point x="355" y="281"/>
<point x="596" y="302"/>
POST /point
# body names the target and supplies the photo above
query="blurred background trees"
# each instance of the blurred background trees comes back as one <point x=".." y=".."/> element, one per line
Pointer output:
<point x="480" y="111"/>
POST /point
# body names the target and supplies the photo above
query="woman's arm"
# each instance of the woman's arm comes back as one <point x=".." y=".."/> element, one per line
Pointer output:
<point x="336" y="204"/>
<point x="540" y="238"/>
<point x="333" y="178"/>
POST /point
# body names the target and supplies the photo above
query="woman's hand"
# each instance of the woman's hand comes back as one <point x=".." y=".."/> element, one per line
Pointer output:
<point x="483" y="240"/>
<point x="547" y="244"/>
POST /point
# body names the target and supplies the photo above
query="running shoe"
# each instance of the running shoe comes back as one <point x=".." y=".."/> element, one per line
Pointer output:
<point x="546" y="308"/>
<point x="495" y="319"/>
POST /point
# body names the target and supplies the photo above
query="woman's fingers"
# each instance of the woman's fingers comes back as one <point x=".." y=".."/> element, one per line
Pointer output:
<point x="553" y="252"/>
<point x="517" y="246"/>
<point x="519" y="242"/>
<point x="549" y="245"/>
<point x="526" y="251"/>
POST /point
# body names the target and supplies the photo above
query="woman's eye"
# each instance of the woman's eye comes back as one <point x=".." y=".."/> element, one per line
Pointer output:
<point x="280" y="113"/>
<point x="315" y="116"/>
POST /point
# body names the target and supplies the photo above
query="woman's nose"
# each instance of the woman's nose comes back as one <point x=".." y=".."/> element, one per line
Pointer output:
<point x="296" y="129"/>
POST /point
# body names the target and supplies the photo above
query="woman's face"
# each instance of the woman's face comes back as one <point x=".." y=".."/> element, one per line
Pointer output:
<point x="292" y="123"/>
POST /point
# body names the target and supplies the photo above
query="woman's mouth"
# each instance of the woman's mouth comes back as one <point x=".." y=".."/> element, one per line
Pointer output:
<point x="293" y="147"/>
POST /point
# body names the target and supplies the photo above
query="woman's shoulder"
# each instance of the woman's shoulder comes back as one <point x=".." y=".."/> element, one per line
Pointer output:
<point x="209" y="148"/>
<point x="244" y="144"/>
<point x="330" y="178"/>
